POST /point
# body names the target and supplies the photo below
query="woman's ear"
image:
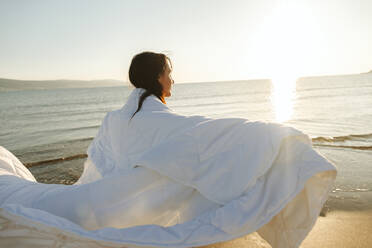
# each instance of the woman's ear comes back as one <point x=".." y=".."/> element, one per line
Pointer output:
<point x="160" y="78"/>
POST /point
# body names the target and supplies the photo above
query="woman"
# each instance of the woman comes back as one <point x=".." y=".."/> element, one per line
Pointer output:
<point x="165" y="179"/>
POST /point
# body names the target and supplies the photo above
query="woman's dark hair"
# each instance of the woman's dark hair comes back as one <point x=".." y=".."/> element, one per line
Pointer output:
<point x="144" y="71"/>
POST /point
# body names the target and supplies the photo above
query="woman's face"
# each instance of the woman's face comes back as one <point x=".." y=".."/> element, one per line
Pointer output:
<point x="166" y="80"/>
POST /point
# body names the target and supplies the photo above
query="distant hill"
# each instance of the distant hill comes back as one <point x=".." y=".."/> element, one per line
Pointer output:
<point x="13" y="84"/>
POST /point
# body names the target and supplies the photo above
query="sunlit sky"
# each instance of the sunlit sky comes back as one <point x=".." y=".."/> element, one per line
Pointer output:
<point x="206" y="40"/>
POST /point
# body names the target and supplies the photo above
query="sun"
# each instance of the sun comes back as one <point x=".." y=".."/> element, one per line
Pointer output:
<point x="283" y="40"/>
<point x="283" y="94"/>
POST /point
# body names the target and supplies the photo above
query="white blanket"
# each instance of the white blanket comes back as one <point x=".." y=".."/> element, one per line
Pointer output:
<point x="167" y="180"/>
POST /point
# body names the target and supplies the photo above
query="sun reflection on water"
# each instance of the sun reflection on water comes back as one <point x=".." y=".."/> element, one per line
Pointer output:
<point x="283" y="94"/>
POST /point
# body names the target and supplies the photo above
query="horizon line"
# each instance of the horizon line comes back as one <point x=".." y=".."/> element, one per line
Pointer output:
<point x="247" y="79"/>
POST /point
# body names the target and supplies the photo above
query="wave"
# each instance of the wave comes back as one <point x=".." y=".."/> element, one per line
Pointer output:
<point x="62" y="104"/>
<point x="50" y="149"/>
<point x="56" y="160"/>
<point x="212" y="104"/>
<point x="299" y="89"/>
<point x="351" y="190"/>
<point x="352" y="141"/>
<point x="62" y="130"/>
<point x="60" y="112"/>
<point x="349" y="147"/>
<point x="353" y="137"/>
<point x="217" y="95"/>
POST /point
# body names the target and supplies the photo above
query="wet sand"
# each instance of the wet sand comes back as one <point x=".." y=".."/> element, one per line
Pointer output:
<point x="339" y="229"/>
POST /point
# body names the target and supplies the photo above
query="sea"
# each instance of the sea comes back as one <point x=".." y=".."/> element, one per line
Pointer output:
<point x="49" y="130"/>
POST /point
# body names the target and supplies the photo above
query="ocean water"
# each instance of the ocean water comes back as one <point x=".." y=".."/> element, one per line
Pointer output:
<point x="50" y="130"/>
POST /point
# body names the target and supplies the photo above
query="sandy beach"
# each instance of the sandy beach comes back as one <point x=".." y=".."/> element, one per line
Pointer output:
<point x="339" y="229"/>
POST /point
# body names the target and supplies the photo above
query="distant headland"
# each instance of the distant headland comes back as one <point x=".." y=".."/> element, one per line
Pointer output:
<point x="14" y="84"/>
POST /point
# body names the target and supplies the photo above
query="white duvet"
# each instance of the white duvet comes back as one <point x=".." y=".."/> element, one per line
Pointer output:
<point x="167" y="180"/>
